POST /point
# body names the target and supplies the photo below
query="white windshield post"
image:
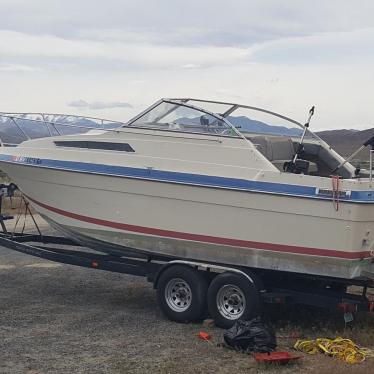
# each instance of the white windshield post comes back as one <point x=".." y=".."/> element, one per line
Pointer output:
<point x="229" y="111"/>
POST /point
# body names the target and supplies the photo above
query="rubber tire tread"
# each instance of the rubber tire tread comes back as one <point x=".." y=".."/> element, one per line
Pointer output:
<point x="198" y="286"/>
<point x="249" y="290"/>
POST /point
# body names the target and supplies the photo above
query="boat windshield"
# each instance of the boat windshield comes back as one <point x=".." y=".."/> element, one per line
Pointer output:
<point x="218" y="118"/>
<point x="181" y="117"/>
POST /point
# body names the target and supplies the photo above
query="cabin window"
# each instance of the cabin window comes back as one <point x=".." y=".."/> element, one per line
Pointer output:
<point x="89" y="144"/>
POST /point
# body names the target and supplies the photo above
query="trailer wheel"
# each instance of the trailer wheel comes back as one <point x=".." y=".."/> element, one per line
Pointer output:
<point x="181" y="293"/>
<point x="231" y="297"/>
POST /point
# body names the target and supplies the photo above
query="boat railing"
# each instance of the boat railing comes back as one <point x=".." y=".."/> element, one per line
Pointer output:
<point x="18" y="127"/>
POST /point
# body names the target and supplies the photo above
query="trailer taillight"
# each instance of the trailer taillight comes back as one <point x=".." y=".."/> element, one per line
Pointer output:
<point x="371" y="306"/>
<point x="347" y="307"/>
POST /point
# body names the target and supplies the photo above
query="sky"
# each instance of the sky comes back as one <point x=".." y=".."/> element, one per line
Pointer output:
<point x="114" y="58"/>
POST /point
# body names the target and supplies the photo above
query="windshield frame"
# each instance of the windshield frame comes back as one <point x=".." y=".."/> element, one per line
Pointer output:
<point x="183" y="103"/>
<point x="222" y="117"/>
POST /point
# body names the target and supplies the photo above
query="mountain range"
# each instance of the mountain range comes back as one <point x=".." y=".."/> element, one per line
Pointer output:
<point x="13" y="131"/>
<point x="346" y="142"/>
<point x="343" y="141"/>
<point x="246" y="124"/>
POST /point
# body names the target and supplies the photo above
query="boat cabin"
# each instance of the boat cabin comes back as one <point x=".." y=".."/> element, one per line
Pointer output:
<point x="277" y="137"/>
<point x="273" y="137"/>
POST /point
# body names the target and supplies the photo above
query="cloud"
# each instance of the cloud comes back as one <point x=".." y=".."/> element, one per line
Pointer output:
<point x="17" y="68"/>
<point x="46" y="50"/>
<point x="28" y="52"/>
<point x="282" y="55"/>
<point x="211" y="22"/>
<point x="339" y="48"/>
<point x="96" y="105"/>
<point x="190" y="66"/>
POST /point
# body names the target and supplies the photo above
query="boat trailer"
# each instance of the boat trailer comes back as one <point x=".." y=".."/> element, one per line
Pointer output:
<point x="272" y="287"/>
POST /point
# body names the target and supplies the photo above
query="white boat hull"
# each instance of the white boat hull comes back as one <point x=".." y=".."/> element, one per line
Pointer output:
<point x="253" y="229"/>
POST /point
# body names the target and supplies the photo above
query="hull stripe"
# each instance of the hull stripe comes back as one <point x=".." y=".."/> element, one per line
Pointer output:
<point x="206" y="238"/>
<point x="187" y="178"/>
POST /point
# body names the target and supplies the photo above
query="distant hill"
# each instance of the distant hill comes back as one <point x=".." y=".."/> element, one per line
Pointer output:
<point x="346" y="142"/>
<point x="246" y="124"/>
<point x="14" y="131"/>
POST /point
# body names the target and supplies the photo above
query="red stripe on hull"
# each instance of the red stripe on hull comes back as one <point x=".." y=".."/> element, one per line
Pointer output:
<point x="207" y="238"/>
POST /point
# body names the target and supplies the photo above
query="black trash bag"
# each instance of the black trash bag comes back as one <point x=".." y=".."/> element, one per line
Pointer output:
<point x="250" y="336"/>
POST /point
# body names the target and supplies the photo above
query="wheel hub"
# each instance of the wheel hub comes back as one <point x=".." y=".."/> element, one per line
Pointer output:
<point x="231" y="302"/>
<point x="178" y="295"/>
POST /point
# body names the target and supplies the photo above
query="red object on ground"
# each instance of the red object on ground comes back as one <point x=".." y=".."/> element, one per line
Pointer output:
<point x="205" y="336"/>
<point x="275" y="357"/>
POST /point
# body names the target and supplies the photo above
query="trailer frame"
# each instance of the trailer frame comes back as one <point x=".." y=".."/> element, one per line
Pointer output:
<point x="273" y="287"/>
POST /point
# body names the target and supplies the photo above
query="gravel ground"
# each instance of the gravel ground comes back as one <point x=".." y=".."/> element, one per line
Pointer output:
<point x="63" y="319"/>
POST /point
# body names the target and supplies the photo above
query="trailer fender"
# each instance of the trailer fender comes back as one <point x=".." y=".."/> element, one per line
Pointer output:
<point x="212" y="268"/>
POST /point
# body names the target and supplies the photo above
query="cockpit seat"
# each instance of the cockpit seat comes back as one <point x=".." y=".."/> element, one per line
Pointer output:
<point x="278" y="150"/>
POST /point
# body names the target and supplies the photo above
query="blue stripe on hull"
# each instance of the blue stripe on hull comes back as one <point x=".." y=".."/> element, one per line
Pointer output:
<point x="186" y="178"/>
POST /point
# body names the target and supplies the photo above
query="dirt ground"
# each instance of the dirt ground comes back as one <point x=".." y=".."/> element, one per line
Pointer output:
<point x="63" y="319"/>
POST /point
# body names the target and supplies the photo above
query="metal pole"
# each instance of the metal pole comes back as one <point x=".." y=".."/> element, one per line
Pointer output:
<point x="20" y="128"/>
<point x="301" y="142"/>
<point x="46" y="124"/>
<point x="368" y="142"/>
<point x="371" y="164"/>
<point x="349" y="158"/>
<point x="306" y="126"/>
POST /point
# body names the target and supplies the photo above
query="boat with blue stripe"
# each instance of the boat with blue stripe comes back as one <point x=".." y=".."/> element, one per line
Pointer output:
<point x="198" y="179"/>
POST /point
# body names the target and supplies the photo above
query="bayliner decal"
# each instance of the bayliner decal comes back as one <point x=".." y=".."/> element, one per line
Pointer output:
<point x="27" y="160"/>
<point x="188" y="179"/>
<point x="206" y="238"/>
<point x="330" y="193"/>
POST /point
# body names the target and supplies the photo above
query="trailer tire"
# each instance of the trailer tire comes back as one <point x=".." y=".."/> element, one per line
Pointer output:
<point x="232" y="297"/>
<point x="181" y="293"/>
